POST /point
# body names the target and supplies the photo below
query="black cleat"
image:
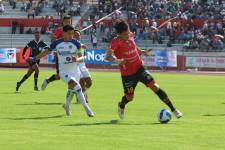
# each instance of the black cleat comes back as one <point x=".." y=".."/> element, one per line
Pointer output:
<point x="17" y="86"/>
<point x="36" y="88"/>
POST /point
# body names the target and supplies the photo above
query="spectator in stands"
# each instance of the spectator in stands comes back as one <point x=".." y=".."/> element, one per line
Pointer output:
<point x="94" y="41"/>
<point x="2" y="9"/>
<point x="14" y="27"/>
<point x="31" y="13"/>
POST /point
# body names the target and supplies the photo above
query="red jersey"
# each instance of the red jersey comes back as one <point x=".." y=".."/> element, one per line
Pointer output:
<point x="127" y="50"/>
<point x="59" y="33"/>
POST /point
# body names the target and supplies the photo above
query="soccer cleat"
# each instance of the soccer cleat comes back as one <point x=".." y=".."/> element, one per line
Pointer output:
<point x="67" y="109"/>
<point x="36" y="88"/>
<point x="177" y="113"/>
<point x="17" y="86"/>
<point x="44" y="84"/>
<point x="120" y="111"/>
<point x="91" y="114"/>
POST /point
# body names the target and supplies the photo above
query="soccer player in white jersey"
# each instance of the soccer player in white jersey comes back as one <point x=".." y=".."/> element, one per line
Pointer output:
<point x="69" y="72"/>
<point x="85" y="80"/>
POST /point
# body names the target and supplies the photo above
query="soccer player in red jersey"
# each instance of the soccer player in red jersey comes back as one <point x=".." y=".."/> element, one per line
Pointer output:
<point x="123" y="50"/>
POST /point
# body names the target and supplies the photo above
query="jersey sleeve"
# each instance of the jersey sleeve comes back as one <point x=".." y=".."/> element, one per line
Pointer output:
<point x="76" y="43"/>
<point x="53" y="46"/>
<point x="29" y="44"/>
<point x="114" y="45"/>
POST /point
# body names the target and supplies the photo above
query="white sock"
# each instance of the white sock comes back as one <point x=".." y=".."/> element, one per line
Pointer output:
<point x="69" y="97"/>
<point x="82" y="99"/>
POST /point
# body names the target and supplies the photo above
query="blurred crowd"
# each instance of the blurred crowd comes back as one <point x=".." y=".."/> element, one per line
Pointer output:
<point x="143" y="16"/>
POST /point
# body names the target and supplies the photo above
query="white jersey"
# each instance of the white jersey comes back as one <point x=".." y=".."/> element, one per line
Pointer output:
<point x="65" y="51"/>
<point x="83" y="69"/>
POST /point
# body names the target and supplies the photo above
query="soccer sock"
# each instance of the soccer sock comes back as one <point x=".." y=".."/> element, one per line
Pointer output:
<point x="35" y="79"/>
<point x="52" y="78"/>
<point x="81" y="97"/>
<point x="69" y="97"/>
<point x="123" y="102"/>
<point x="25" y="77"/>
<point x="163" y="96"/>
<point x="85" y="95"/>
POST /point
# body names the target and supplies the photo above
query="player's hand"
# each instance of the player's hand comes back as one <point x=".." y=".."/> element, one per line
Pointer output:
<point x="74" y="59"/>
<point x="31" y="60"/>
<point x="84" y="46"/>
<point x="121" y="61"/>
<point x="146" y="52"/>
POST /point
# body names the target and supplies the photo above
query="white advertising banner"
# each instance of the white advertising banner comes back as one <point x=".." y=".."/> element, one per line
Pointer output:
<point x="205" y="62"/>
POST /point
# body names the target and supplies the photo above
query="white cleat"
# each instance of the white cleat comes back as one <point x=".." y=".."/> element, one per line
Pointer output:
<point x="67" y="109"/>
<point x="44" y="84"/>
<point x="120" y="112"/>
<point x="177" y="113"/>
<point x="91" y="115"/>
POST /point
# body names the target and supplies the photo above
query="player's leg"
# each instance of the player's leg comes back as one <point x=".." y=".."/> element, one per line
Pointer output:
<point x="146" y="78"/>
<point x="54" y="77"/>
<point x="36" y="73"/>
<point x="129" y="85"/>
<point x="25" y="77"/>
<point x="74" y="87"/>
<point x="88" y="84"/>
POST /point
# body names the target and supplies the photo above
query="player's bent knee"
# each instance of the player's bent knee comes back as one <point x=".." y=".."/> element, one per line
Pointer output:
<point x="71" y="84"/>
<point x="57" y="77"/>
<point x="130" y="97"/>
<point x="88" y="82"/>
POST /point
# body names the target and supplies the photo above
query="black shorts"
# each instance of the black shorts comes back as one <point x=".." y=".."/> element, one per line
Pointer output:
<point x="57" y="64"/>
<point x="33" y="63"/>
<point x="130" y="82"/>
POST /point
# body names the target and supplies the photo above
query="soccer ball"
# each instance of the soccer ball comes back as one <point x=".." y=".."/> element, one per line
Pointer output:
<point x="164" y="116"/>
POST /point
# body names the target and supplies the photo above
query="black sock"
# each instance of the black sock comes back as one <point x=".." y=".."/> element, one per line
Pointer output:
<point x="123" y="102"/>
<point x="52" y="78"/>
<point x="35" y="79"/>
<point x="25" y="77"/>
<point x="163" y="96"/>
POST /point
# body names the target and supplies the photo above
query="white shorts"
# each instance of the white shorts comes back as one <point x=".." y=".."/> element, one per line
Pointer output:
<point x="84" y="71"/>
<point x="68" y="76"/>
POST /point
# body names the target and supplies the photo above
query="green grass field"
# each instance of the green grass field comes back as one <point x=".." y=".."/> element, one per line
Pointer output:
<point x="36" y="121"/>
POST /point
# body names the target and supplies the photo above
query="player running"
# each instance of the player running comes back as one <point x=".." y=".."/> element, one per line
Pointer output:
<point x="69" y="72"/>
<point x="123" y="50"/>
<point x="36" y="46"/>
<point x="57" y="35"/>
<point x="85" y="80"/>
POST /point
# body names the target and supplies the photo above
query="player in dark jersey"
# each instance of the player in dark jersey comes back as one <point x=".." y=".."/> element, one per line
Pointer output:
<point x="57" y="35"/>
<point x="36" y="46"/>
<point x="123" y="50"/>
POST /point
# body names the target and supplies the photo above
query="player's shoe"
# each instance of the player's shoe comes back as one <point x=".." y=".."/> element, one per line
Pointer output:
<point x="17" y="86"/>
<point x="36" y="88"/>
<point x="91" y="114"/>
<point x="67" y="109"/>
<point x="177" y="113"/>
<point x="44" y="84"/>
<point x="120" y="111"/>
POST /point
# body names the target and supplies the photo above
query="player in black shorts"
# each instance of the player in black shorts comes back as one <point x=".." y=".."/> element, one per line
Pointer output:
<point x="36" y="46"/>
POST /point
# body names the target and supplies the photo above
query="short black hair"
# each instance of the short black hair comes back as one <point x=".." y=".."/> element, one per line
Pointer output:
<point x="121" y="26"/>
<point x="77" y="30"/>
<point x="66" y="17"/>
<point x="67" y="28"/>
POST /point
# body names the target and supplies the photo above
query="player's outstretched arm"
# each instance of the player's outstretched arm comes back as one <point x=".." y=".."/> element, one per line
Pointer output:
<point x="112" y="58"/>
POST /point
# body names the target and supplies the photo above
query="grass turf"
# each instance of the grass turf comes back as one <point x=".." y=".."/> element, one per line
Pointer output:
<point x="36" y="121"/>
